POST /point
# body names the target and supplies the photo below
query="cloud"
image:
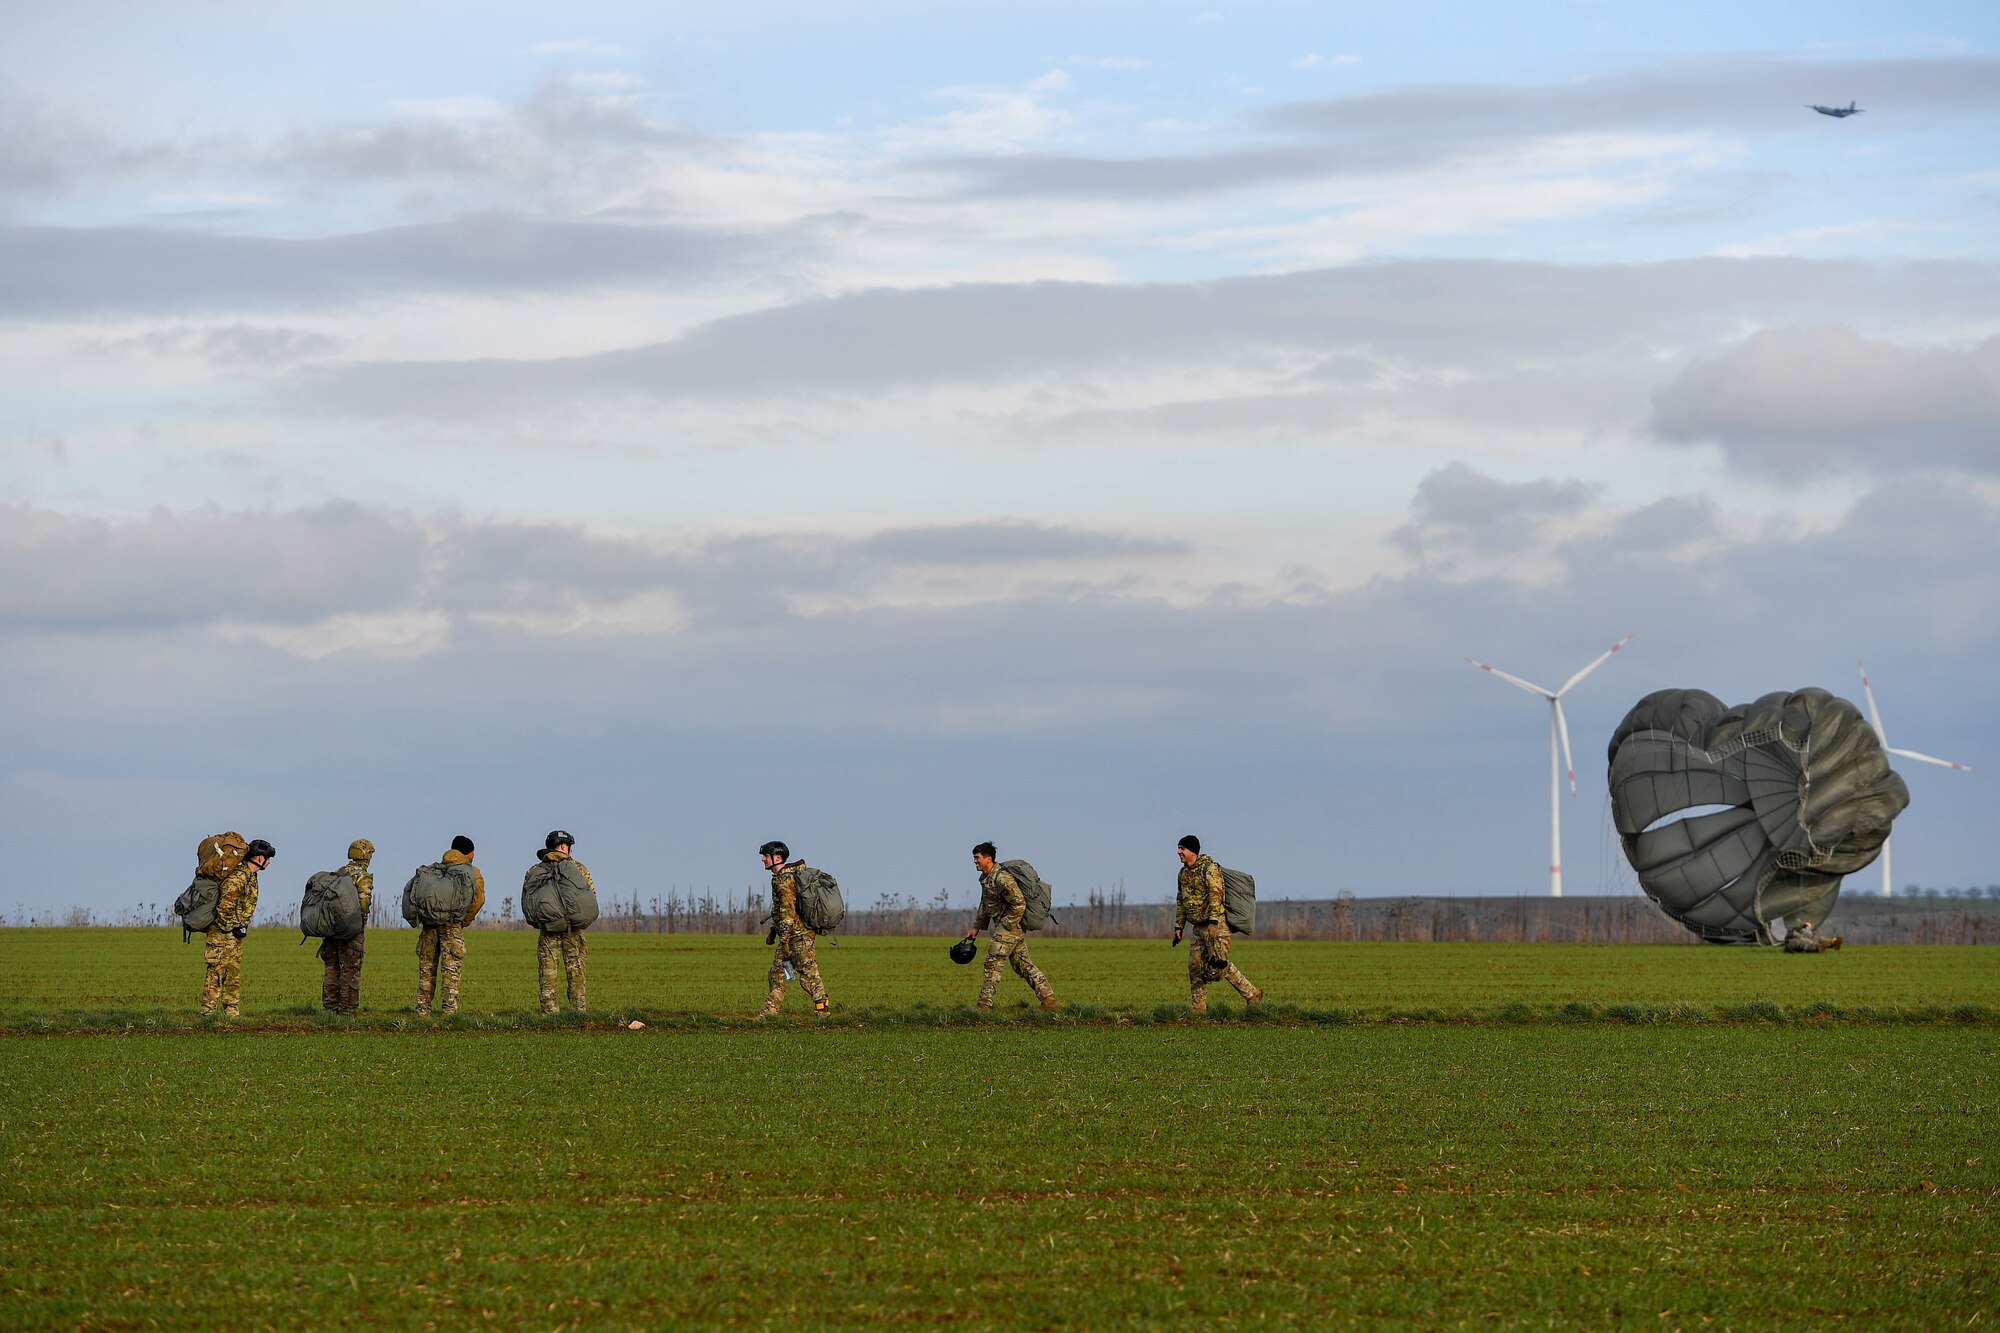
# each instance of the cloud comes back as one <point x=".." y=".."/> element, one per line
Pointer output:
<point x="70" y="271"/>
<point x="1409" y="128"/>
<point x="1803" y="401"/>
<point x="235" y="346"/>
<point x="581" y="46"/>
<point x="1463" y="323"/>
<point x="1461" y="512"/>
<point x="1109" y="62"/>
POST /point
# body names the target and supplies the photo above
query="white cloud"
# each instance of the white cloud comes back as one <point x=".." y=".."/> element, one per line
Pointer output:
<point x="1313" y="60"/>
<point x="451" y="109"/>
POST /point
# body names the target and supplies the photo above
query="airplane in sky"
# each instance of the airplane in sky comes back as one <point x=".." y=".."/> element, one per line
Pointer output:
<point x="1840" y="112"/>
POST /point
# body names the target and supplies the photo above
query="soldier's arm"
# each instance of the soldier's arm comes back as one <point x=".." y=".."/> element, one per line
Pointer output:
<point x="785" y="900"/>
<point x="231" y="909"/>
<point x="1215" y="894"/>
<point x="581" y="869"/>
<point x="366" y="883"/>
<point x="478" y="895"/>
<point x="1180" y="901"/>
<point x="985" y="917"/>
<point x="1017" y="902"/>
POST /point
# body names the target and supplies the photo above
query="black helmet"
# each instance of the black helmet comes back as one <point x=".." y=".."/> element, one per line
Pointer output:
<point x="258" y="847"/>
<point x="777" y="849"/>
<point x="964" y="951"/>
<point x="557" y="839"/>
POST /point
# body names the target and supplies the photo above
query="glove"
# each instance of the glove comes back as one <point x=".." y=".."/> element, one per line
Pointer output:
<point x="771" y="935"/>
<point x="1177" y="939"/>
<point x="240" y="931"/>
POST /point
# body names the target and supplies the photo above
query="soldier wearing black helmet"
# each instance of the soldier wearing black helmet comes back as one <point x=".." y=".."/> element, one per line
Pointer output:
<point x="222" y="947"/>
<point x="794" y="940"/>
<point x="564" y="950"/>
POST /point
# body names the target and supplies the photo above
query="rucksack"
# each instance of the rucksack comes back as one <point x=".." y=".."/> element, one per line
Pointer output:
<point x="1239" y="901"/>
<point x="331" y="909"/>
<point x="196" y="906"/>
<point x="818" y="900"/>
<point x="1041" y="901"/>
<point x="438" y="895"/>
<point x="218" y="856"/>
<point x="556" y="897"/>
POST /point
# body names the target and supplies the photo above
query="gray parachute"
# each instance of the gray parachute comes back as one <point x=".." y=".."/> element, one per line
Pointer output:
<point x="1808" y="797"/>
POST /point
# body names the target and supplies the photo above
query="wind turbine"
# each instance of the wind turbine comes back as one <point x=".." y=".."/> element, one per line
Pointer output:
<point x="1558" y="734"/>
<point x="1888" y="886"/>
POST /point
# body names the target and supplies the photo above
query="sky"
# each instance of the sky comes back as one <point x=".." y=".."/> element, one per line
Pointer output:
<point x="885" y="427"/>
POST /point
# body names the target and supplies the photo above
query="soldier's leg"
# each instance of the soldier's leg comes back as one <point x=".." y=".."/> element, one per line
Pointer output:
<point x="575" y="952"/>
<point x="211" y="956"/>
<point x="232" y="975"/>
<point x="350" y="974"/>
<point x="1215" y="943"/>
<point x="774" y="980"/>
<point x="805" y="961"/>
<point x="997" y="950"/>
<point x="1197" y="975"/>
<point x="329" y="985"/>
<point x="427" y="961"/>
<point x="548" y="949"/>
<point x="451" y="963"/>
<point x="1024" y="967"/>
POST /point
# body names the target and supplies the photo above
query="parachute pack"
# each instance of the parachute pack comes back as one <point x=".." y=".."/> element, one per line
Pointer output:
<point x="1041" y="899"/>
<point x="1239" y="900"/>
<point x="818" y="900"/>
<point x="439" y="895"/>
<point x="556" y="897"/>
<point x="216" y="858"/>
<point x="331" y="909"/>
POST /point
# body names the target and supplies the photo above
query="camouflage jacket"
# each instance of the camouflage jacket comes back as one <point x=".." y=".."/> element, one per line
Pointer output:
<point x="1000" y="902"/>
<point x="454" y="857"/>
<point x="1200" y="899"/>
<point x="785" y="896"/>
<point x="238" y="903"/>
<point x="363" y="880"/>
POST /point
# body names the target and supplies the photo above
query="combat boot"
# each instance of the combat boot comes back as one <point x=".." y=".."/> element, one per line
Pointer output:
<point x="822" y="1007"/>
<point x="1829" y="944"/>
<point x="1256" y="994"/>
<point x="1050" y="1004"/>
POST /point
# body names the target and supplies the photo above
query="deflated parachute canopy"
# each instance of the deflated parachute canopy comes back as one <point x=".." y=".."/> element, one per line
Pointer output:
<point x="1806" y="796"/>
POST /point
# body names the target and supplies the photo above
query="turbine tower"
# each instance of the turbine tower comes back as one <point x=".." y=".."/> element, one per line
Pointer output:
<point x="1558" y="735"/>
<point x="1888" y="885"/>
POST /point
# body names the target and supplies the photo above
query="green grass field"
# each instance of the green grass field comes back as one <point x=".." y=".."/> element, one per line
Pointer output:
<point x="1105" y="1168"/>
<point x="66" y="975"/>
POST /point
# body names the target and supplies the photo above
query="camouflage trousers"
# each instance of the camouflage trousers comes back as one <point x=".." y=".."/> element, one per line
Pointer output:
<point x="795" y="946"/>
<point x="440" y="960"/>
<point x="1009" y="948"/>
<point x="1208" y="961"/>
<point x="564" y="952"/>
<point x="223" y="983"/>
<point x="340" y="989"/>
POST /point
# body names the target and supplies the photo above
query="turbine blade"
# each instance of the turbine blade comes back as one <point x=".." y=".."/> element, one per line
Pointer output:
<point x="1929" y="759"/>
<point x="1562" y="729"/>
<point x="1874" y="715"/>
<point x="1529" y="686"/>
<point x="1602" y="658"/>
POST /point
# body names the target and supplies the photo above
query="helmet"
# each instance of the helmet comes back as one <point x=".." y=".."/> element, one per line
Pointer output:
<point x="360" y="850"/>
<point x="258" y="847"/>
<point x="557" y="839"/>
<point x="964" y="951"/>
<point x="777" y="849"/>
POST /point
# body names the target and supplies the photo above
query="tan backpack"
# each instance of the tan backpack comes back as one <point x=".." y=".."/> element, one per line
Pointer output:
<point x="218" y="856"/>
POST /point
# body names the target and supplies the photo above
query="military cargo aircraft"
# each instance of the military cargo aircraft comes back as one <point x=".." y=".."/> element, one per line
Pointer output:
<point x="1841" y="112"/>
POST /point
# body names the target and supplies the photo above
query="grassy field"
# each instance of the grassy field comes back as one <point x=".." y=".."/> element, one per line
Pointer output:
<point x="1830" y="1160"/>
<point x="150" y="974"/>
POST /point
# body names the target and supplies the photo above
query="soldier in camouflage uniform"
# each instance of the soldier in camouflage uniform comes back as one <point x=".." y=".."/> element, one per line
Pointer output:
<point x="793" y="940"/>
<point x="441" y="949"/>
<point x="340" y="989"/>
<point x="1002" y="905"/>
<point x="566" y="950"/>
<point x="222" y="945"/>
<point x="1802" y="938"/>
<point x="1200" y="905"/>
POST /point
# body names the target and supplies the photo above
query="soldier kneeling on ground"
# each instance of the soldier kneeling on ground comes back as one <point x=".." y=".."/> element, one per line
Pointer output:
<point x="1802" y="938"/>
